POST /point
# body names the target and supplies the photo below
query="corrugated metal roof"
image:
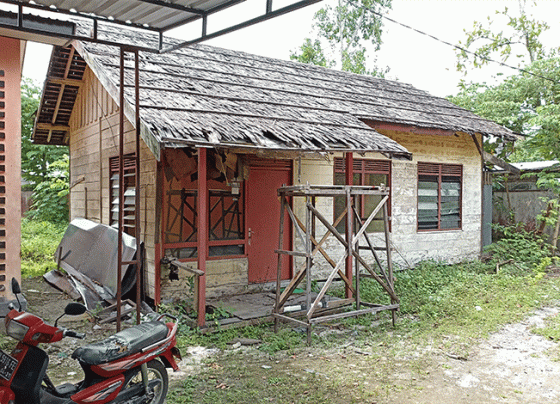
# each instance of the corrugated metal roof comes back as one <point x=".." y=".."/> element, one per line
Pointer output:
<point x="535" y="165"/>
<point x="149" y="13"/>
<point x="151" y="16"/>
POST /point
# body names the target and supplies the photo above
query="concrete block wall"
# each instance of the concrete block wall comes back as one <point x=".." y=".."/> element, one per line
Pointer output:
<point x="410" y="245"/>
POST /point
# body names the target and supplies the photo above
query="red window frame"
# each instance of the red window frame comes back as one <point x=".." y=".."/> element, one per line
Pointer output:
<point x="440" y="171"/>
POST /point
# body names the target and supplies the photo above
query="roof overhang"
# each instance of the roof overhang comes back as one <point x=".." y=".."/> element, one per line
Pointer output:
<point x="153" y="16"/>
<point x="35" y="29"/>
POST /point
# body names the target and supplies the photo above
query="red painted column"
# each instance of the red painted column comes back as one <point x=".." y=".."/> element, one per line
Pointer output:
<point x="349" y="177"/>
<point x="202" y="234"/>
<point x="10" y="163"/>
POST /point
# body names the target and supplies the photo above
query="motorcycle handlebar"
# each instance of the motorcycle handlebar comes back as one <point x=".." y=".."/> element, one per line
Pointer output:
<point x="74" y="334"/>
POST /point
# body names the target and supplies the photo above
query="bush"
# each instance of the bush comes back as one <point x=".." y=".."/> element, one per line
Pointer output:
<point x="39" y="240"/>
<point x="50" y="197"/>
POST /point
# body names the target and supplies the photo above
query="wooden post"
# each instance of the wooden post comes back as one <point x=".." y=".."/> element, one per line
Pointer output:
<point x="279" y="267"/>
<point x="202" y="224"/>
<point x="308" y="262"/>
<point x="349" y="176"/>
<point x="390" y="280"/>
<point x="121" y="188"/>
<point x="137" y="230"/>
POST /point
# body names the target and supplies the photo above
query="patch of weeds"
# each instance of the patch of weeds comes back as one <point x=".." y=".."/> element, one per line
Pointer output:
<point x="184" y="393"/>
<point x="236" y="380"/>
<point x="39" y="241"/>
<point x="284" y="340"/>
<point x="551" y="330"/>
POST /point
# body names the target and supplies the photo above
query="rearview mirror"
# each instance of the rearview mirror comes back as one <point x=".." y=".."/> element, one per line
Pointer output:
<point x="16" y="290"/>
<point x="75" y="309"/>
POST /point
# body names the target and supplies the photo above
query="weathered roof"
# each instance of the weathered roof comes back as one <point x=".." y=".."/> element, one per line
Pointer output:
<point x="204" y="95"/>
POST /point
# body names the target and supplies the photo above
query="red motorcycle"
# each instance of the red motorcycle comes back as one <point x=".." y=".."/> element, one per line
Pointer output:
<point x="128" y="367"/>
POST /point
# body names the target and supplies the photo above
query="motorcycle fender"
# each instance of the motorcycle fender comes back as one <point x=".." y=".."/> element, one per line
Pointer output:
<point x="100" y="393"/>
<point x="6" y="395"/>
<point x="169" y="360"/>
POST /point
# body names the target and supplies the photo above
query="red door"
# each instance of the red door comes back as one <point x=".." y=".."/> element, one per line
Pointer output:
<point x="263" y="220"/>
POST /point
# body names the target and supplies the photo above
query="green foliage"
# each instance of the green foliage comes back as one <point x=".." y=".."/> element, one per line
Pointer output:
<point x="39" y="240"/>
<point x="514" y="242"/>
<point x="50" y="197"/>
<point x="35" y="159"/>
<point x="312" y="53"/>
<point x="526" y="103"/>
<point x="503" y="36"/>
<point x="346" y="29"/>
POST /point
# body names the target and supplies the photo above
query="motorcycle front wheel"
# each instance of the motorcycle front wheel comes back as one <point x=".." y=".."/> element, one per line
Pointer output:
<point x="156" y="372"/>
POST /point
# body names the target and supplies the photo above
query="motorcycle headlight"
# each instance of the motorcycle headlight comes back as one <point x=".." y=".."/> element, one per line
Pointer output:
<point x="16" y="330"/>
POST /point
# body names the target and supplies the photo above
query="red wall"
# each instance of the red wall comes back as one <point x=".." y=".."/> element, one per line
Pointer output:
<point x="10" y="163"/>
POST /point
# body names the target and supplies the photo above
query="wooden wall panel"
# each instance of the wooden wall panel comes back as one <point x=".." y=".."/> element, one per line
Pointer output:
<point x="93" y="141"/>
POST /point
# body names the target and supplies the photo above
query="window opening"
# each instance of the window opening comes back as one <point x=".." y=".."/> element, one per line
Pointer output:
<point x="129" y="178"/>
<point x="439" y="196"/>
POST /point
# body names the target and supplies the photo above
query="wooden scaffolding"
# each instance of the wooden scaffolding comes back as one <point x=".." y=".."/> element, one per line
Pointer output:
<point x="349" y="265"/>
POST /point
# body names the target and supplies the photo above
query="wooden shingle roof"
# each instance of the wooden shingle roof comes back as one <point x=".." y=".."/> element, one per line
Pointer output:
<point x="204" y="95"/>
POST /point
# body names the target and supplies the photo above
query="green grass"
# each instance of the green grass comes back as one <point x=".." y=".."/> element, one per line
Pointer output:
<point x="444" y="308"/>
<point x="39" y="241"/>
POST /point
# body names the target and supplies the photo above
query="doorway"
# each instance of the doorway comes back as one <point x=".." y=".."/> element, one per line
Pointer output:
<point x="263" y="219"/>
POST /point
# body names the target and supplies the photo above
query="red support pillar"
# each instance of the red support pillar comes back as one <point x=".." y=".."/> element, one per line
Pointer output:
<point x="349" y="180"/>
<point x="202" y="234"/>
<point x="10" y="163"/>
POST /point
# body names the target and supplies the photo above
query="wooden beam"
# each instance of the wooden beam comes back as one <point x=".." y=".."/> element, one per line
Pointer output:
<point x="349" y="181"/>
<point x="58" y="102"/>
<point x="396" y="127"/>
<point x="489" y="158"/>
<point x="48" y="126"/>
<point x="69" y="62"/>
<point x="202" y="243"/>
<point x="65" y="82"/>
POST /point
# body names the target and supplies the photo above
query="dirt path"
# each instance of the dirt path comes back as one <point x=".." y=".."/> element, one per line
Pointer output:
<point x="511" y="367"/>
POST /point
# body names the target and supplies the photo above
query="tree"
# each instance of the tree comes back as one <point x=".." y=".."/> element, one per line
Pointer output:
<point x="35" y="159"/>
<point x="44" y="167"/>
<point x="312" y="53"/>
<point x="520" y="39"/>
<point x="346" y="28"/>
<point x="527" y="102"/>
<point x="50" y="197"/>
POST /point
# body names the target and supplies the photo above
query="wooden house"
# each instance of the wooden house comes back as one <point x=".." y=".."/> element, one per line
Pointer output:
<point x="253" y="124"/>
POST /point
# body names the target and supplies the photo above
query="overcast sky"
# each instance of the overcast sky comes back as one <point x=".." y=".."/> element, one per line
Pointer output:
<point x="411" y="57"/>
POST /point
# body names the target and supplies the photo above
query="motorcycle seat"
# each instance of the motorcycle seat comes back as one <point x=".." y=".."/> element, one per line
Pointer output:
<point x="124" y="343"/>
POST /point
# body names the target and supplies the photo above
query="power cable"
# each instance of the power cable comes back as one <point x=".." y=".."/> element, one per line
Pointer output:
<point x="460" y="47"/>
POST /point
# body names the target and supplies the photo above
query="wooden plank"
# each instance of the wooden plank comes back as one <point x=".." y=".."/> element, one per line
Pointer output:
<point x="301" y="272"/>
<point x="326" y="286"/>
<point x="292" y="253"/>
<point x="48" y="126"/>
<point x="289" y="319"/>
<point x="354" y="313"/>
<point x="324" y="253"/>
<point x="355" y="253"/>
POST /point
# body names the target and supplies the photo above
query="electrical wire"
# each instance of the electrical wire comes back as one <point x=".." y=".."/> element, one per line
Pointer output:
<point x="460" y="47"/>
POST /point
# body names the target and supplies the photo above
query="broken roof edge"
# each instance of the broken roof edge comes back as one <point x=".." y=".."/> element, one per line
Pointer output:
<point x="155" y="143"/>
<point x="173" y="143"/>
<point x="404" y="125"/>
